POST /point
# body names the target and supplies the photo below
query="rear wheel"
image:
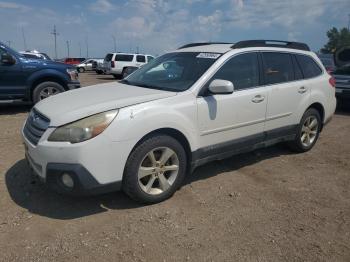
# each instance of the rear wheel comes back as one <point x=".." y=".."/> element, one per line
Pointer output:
<point x="308" y="131"/>
<point x="155" y="169"/>
<point x="81" y="69"/>
<point x="46" y="89"/>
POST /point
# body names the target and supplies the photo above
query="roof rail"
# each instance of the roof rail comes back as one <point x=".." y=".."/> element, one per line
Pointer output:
<point x="202" y="44"/>
<point x="271" y="43"/>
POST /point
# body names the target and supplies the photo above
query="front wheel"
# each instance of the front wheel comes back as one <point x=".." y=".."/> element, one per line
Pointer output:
<point x="308" y="131"/>
<point x="155" y="169"/>
<point x="81" y="69"/>
<point x="46" y="89"/>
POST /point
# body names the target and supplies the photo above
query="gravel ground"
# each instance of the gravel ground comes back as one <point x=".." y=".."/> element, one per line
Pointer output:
<point x="268" y="205"/>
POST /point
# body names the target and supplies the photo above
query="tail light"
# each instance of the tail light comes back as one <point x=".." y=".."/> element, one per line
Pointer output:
<point x="332" y="81"/>
<point x="112" y="64"/>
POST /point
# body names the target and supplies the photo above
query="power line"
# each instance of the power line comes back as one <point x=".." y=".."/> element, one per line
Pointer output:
<point x="67" y="48"/>
<point x="87" y="46"/>
<point x="55" y="34"/>
<point x="24" y="39"/>
<point x="115" y="43"/>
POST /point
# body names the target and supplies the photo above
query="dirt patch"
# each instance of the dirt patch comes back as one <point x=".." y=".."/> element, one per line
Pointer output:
<point x="268" y="205"/>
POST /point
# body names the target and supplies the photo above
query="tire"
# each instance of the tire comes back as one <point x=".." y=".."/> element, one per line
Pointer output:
<point x="116" y="76"/>
<point x="81" y="69"/>
<point x="308" y="131"/>
<point x="124" y="73"/>
<point x="45" y="90"/>
<point x="140" y="170"/>
<point x="99" y="72"/>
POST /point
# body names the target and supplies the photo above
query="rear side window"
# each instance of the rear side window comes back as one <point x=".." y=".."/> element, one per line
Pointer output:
<point x="124" y="58"/>
<point x="308" y="66"/>
<point x="298" y="74"/>
<point x="241" y="70"/>
<point x="278" y="68"/>
<point x="141" y="58"/>
<point x="108" y="57"/>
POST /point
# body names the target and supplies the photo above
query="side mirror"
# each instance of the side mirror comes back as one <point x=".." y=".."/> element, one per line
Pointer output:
<point x="221" y="87"/>
<point x="7" y="59"/>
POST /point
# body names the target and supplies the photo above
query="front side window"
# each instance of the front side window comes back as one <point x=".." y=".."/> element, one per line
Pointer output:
<point x="241" y="70"/>
<point x="278" y="68"/>
<point x="308" y="66"/>
<point x="141" y="59"/>
<point x="172" y="72"/>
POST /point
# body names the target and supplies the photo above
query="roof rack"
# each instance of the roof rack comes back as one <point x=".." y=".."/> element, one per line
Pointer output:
<point x="271" y="43"/>
<point x="202" y="44"/>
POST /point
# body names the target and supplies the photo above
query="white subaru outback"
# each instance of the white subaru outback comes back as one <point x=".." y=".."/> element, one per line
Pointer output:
<point x="202" y="102"/>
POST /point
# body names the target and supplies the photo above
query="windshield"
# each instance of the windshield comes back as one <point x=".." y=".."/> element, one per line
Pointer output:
<point x="172" y="72"/>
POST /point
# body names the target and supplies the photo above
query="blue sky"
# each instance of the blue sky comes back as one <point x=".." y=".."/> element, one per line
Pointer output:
<point x="156" y="26"/>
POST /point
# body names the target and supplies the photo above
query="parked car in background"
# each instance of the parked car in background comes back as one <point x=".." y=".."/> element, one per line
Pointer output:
<point x="199" y="103"/>
<point x="97" y="66"/>
<point x="73" y="61"/>
<point x="35" y="55"/>
<point x="328" y="62"/>
<point x="86" y="65"/>
<point x="25" y="79"/>
<point x="342" y="75"/>
<point x="117" y="63"/>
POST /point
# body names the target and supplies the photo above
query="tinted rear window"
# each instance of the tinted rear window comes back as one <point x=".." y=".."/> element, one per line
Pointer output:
<point x="124" y="58"/>
<point x="278" y="68"/>
<point x="308" y="66"/>
<point x="108" y="57"/>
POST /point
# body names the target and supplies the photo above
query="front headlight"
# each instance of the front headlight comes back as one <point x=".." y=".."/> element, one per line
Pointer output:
<point x="73" y="73"/>
<point x="83" y="129"/>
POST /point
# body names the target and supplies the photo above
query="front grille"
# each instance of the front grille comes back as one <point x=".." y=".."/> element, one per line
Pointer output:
<point x="35" y="126"/>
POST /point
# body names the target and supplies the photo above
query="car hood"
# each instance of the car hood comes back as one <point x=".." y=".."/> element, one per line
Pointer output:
<point x="43" y="63"/>
<point x="76" y="104"/>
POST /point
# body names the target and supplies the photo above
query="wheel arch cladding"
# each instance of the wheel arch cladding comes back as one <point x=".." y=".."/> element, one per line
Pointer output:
<point x="172" y="132"/>
<point x="319" y="107"/>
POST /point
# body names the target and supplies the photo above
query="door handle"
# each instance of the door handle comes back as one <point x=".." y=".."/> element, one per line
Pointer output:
<point x="258" y="99"/>
<point x="302" y="90"/>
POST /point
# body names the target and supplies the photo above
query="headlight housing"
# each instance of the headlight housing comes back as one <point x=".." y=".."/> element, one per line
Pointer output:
<point x="73" y="74"/>
<point x="83" y="129"/>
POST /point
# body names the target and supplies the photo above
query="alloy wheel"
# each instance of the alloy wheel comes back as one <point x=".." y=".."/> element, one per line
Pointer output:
<point x="309" y="131"/>
<point x="158" y="171"/>
<point x="48" y="91"/>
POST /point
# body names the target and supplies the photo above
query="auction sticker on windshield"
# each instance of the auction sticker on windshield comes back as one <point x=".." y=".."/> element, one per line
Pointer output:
<point x="208" y="55"/>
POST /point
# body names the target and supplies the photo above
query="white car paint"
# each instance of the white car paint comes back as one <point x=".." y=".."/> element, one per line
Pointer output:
<point x="204" y="121"/>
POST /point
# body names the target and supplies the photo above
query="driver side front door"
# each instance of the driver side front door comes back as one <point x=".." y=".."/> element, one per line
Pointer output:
<point x="230" y="123"/>
<point x="12" y="84"/>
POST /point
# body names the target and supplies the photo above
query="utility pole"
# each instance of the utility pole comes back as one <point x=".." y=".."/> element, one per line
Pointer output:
<point x="349" y="23"/>
<point x="55" y="34"/>
<point x="9" y="43"/>
<point x="24" y="40"/>
<point x="79" y="49"/>
<point x="115" y="44"/>
<point x="137" y="50"/>
<point x="87" y="47"/>
<point x="67" y="47"/>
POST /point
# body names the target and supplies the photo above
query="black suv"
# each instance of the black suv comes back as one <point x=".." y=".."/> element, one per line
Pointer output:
<point x="31" y="80"/>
